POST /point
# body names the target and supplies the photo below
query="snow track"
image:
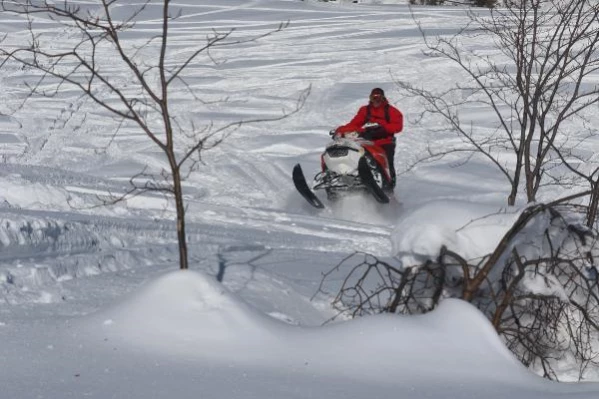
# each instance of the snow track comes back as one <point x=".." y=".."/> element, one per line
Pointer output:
<point x="59" y="154"/>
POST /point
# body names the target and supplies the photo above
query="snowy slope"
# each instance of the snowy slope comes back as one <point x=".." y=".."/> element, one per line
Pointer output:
<point x="184" y="335"/>
<point x="91" y="303"/>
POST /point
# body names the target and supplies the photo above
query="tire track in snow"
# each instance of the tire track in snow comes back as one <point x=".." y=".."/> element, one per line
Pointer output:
<point x="244" y="195"/>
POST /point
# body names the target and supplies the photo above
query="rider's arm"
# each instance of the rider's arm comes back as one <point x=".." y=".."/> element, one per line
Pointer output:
<point x="395" y="124"/>
<point x="355" y="125"/>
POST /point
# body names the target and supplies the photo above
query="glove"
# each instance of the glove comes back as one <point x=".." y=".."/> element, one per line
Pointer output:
<point x="335" y="134"/>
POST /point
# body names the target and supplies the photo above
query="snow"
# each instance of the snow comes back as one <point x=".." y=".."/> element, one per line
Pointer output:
<point x="91" y="301"/>
<point x="473" y="227"/>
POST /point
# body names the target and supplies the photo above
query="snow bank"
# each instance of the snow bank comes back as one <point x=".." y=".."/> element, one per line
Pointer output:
<point x="189" y="313"/>
<point x="184" y="311"/>
<point x="17" y="192"/>
<point x="467" y="228"/>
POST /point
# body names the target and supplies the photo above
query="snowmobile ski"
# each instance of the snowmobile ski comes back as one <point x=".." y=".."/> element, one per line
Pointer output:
<point x="369" y="182"/>
<point x="302" y="187"/>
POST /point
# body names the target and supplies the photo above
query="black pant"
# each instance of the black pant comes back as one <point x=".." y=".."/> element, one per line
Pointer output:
<point x="390" y="151"/>
<point x="378" y="133"/>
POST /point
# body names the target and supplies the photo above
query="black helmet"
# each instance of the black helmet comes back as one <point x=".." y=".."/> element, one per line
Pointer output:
<point x="377" y="90"/>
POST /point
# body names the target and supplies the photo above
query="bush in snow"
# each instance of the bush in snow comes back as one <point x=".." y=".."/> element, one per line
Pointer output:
<point x="538" y="288"/>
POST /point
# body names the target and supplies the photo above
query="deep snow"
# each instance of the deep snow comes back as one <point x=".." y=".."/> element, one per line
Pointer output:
<point x="92" y="303"/>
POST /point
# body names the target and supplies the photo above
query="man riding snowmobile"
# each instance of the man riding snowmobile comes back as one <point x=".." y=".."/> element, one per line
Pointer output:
<point x="389" y="120"/>
<point x="359" y="157"/>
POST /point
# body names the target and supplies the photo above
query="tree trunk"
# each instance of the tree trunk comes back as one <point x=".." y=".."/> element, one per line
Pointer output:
<point x="593" y="204"/>
<point x="511" y="199"/>
<point x="181" y="236"/>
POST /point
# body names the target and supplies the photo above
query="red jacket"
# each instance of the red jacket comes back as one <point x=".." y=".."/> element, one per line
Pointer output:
<point x="392" y="125"/>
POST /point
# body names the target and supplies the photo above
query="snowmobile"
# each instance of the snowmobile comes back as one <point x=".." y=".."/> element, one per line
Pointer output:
<point x="350" y="163"/>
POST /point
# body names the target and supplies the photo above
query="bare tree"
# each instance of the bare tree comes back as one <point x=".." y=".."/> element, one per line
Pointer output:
<point x="542" y="297"/>
<point x="539" y="90"/>
<point x="152" y="73"/>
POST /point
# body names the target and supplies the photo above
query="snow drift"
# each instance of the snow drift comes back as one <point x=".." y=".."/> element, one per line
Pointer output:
<point x="189" y="313"/>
